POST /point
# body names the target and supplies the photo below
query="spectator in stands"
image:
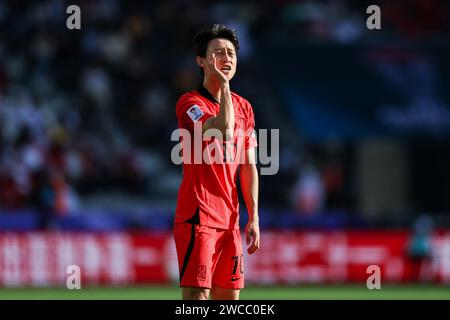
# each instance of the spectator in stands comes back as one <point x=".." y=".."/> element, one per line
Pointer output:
<point x="420" y="250"/>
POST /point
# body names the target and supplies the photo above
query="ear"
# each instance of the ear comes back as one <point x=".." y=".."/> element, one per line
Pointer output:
<point x="200" y="61"/>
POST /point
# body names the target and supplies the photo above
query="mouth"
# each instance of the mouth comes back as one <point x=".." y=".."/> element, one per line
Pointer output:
<point x="226" y="68"/>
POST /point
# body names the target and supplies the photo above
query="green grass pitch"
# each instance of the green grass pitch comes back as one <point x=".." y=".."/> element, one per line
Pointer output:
<point x="300" y="292"/>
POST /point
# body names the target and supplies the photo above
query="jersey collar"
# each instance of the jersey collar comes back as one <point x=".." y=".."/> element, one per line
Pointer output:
<point x="204" y="92"/>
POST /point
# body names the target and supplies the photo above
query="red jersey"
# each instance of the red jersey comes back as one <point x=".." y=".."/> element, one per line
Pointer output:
<point x="208" y="192"/>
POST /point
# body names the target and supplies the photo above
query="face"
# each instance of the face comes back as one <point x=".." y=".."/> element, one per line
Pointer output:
<point x="225" y="56"/>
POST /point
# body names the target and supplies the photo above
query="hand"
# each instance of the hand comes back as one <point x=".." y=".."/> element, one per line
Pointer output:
<point x="213" y="71"/>
<point x="252" y="236"/>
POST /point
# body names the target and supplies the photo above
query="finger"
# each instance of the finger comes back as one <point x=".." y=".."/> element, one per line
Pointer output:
<point x="214" y="62"/>
<point x="209" y="65"/>
<point x="248" y="237"/>
<point x="251" y="247"/>
<point x="255" y="244"/>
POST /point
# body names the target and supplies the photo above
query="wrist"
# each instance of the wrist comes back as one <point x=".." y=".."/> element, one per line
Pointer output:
<point x="225" y="86"/>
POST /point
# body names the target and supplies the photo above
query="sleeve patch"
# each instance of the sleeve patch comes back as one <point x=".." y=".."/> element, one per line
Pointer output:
<point x="195" y="113"/>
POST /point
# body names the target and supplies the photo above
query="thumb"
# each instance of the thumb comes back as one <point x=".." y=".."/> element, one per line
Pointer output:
<point x="248" y="237"/>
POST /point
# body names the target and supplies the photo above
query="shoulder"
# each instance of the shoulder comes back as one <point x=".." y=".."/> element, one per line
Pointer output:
<point x="239" y="98"/>
<point x="189" y="96"/>
<point x="245" y="105"/>
<point x="187" y="100"/>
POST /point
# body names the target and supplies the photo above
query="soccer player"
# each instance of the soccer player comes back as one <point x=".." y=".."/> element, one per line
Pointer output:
<point x="206" y="229"/>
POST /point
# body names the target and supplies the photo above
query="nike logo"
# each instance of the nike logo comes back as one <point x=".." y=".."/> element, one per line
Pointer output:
<point x="235" y="279"/>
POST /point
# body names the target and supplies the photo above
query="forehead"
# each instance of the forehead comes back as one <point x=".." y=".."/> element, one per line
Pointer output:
<point x="220" y="43"/>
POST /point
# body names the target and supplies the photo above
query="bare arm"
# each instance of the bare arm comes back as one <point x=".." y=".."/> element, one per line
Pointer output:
<point x="250" y="189"/>
<point x="224" y="121"/>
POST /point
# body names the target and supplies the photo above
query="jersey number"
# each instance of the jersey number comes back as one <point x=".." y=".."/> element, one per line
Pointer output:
<point x="238" y="260"/>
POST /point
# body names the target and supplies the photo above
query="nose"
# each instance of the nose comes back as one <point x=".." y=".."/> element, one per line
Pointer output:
<point x="227" y="57"/>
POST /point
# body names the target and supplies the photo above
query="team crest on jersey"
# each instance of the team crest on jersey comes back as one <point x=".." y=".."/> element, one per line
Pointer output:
<point x="195" y="113"/>
<point x="201" y="274"/>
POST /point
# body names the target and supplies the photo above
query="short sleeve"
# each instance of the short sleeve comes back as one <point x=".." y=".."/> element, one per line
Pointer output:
<point x="190" y="110"/>
<point x="250" y="132"/>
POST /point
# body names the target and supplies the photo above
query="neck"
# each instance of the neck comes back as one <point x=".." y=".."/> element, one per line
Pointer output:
<point x="213" y="88"/>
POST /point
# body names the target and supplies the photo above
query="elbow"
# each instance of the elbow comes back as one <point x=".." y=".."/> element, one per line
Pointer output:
<point x="226" y="129"/>
<point x="228" y="132"/>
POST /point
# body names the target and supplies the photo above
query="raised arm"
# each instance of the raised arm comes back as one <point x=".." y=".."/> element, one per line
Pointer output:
<point x="224" y="121"/>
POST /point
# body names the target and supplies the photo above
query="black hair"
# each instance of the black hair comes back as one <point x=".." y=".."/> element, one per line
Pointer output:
<point x="209" y="33"/>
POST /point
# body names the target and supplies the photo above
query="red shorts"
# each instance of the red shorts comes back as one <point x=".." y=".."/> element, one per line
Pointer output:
<point x="209" y="257"/>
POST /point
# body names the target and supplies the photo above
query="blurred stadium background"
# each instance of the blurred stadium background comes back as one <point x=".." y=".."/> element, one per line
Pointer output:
<point x="364" y="117"/>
